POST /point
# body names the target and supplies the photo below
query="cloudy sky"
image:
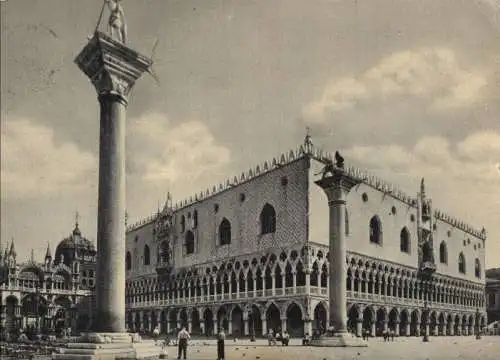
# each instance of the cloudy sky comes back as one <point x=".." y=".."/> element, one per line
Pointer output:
<point x="403" y="88"/>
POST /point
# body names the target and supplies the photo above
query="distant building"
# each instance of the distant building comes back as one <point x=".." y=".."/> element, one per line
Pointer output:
<point x="493" y="294"/>
<point x="55" y="293"/>
<point x="251" y="255"/>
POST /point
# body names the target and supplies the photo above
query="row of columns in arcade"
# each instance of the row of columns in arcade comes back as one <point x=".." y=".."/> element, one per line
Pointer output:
<point x="408" y="289"/>
<point x="414" y="322"/>
<point x="228" y="287"/>
<point x="254" y="320"/>
<point x="297" y="281"/>
<point x="258" y="321"/>
<point x="18" y="316"/>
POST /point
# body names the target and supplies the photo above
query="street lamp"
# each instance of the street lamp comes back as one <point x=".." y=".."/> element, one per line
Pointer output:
<point x="478" y="317"/>
<point x="426" y="320"/>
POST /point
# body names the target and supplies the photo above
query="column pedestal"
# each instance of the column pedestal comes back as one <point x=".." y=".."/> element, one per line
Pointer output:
<point x="336" y="187"/>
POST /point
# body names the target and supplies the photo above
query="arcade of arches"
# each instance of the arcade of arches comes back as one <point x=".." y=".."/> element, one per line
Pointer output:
<point x="44" y="300"/>
<point x="289" y="292"/>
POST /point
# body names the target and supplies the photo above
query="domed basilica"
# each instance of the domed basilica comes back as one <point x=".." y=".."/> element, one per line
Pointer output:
<point x="50" y="295"/>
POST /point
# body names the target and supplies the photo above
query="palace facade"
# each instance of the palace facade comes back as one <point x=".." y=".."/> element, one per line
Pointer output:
<point x="252" y="254"/>
<point x="55" y="293"/>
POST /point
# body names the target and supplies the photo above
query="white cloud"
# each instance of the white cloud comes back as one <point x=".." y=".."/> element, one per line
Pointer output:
<point x="473" y="159"/>
<point x="33" y="165"/>
<point x="162" y="152"/>
<point x="432" y="74"/>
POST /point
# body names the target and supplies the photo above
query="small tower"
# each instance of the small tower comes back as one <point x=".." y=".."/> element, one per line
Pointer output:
<point x="425" y="221"/>
<point x="12" y="256"/>
<point x="48" y="258"/>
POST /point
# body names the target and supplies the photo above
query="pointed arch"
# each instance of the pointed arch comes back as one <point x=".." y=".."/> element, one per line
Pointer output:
<point x="375" y="230"/>
<point x="128" y="261"/>
<point x="461" y="263"/>
<point x="267" y="220"/>
<point x="443" y="253"/>
<point x="147" y="255"/>
<point x="404" y="240"/>
<point x="189" y="242"/>
<point x="225" y="232"/>
<point x="477" y="268"/>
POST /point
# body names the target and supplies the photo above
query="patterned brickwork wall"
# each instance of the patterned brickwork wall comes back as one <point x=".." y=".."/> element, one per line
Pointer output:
<point x="284" y="188"/>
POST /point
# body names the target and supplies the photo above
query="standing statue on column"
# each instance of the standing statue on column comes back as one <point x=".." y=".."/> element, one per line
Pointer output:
<point x="116" y="23"/>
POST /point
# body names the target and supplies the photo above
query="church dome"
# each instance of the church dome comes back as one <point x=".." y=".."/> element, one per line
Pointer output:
<point x="74" y="247"/>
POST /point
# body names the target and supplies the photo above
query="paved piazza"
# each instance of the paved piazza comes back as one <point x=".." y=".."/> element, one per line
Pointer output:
<point x="404" y="348"/>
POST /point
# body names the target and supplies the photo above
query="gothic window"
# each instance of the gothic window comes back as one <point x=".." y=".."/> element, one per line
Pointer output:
<point x="404" y="240"/>
<point x="183" y="223"/>
<point x="267" y="220"/>
<point x="163" y="253"/>
<point x="346" y="222"/>
<point x="375" y="230"/>
<point x="147" y="259"/>
<point x="491" y="299"/>
<point x="477" y="269"/>
<point x="128" y="261"/>
<point x="189" y="242"/>
<point x="225" y="232"/>
<point x="195" y="219"/>
<point x="443" y="253"/>
<point x="461" y="263"/>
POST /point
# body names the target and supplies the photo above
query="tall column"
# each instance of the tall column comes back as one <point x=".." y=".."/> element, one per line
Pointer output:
<point x="336" y="188"/>
<point x="113" y="69"/>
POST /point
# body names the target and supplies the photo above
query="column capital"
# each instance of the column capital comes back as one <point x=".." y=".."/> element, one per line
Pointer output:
<point x="111" y="66"/>
<point x="337" y="186"/>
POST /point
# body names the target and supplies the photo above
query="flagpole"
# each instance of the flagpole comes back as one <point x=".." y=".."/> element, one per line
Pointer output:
<point x="100" y="16"/>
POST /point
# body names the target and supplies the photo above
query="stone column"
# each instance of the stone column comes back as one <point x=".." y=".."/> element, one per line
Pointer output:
<point x="113" y="69"/>
<point x="336" y="188"/>
<point x="283" y="324"/>
<point x="245" y="325"/>
<point x="264" y="325"/>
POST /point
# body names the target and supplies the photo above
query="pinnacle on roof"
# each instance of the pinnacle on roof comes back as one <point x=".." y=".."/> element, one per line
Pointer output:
<point x="76" y="230"/>
<point x="48" y="253"/>
<point x="12" y="251"/>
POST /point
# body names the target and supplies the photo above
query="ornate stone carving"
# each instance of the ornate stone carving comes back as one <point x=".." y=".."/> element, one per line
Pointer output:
<point x="110" y="65"/>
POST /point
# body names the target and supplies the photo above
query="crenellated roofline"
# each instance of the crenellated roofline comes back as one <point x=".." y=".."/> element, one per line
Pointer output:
<point x="308" y="150"/>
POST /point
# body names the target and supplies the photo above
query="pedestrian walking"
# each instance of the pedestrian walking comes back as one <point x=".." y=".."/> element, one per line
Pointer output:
<point x="221" y="336"/>
<point x="182" y="339"/>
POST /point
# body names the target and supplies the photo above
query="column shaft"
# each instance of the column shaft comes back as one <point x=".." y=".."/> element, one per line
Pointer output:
<point x="337" y="278"/>
<point x="111" y="216"/>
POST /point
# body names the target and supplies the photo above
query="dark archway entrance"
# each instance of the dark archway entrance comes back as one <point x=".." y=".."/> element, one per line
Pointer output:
<point x="255" y="322"/>
<point x="237" y="324"/>
<point x="273" y="318"/>
<point x="368" y="320"/>
<point x="294" y="322"/>
<point x="195" y="322"/>
<point x="352" y="318"/>
<point x="208" y="319"/>
<point x="222" y="319"/>
<point x="319" y="319"/>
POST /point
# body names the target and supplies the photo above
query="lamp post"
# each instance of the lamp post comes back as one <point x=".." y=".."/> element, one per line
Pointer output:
<point x="478" y="317"/>
<point x="426" y="320"/>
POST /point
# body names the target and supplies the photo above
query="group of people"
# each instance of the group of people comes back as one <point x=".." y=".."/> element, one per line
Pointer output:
<point x="183" y="338"/>
<point x="283" y="336"/>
